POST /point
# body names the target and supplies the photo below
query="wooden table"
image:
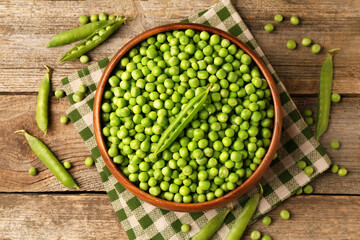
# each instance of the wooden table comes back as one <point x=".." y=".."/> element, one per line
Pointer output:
<point x="41" y="208"/>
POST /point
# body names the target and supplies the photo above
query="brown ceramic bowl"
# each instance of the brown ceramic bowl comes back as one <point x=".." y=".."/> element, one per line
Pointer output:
<point x="187" y="207"/>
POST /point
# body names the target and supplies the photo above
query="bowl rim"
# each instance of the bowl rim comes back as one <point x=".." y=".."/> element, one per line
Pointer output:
<point x="188" y="207"/>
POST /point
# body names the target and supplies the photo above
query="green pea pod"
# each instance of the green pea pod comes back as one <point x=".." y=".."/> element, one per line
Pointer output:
<point x="90" y="43"/>
<point x="244" y="218"/>
<point x="48" y="158"/>
<point x="324" y="97"/>
<point x="181" y="121"/>
<point x="212" y="226"/>
<point x="76" y="34"/>
<point x="42" y="108"/>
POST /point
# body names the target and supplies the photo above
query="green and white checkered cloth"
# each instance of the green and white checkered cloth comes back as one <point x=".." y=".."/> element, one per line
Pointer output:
<point x="141" y="220"/>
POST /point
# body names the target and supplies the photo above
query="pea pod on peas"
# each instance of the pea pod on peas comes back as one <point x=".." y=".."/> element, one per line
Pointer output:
<point x="48" y="158"/>
<point x="181" y="121"/>
<point x="76" y="34"/>
<point x="97" y="37"/>
<point x="42" y="108"/>
<point x="324" y="98"/>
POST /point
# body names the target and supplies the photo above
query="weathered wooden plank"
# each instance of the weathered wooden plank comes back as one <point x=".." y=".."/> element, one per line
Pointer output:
<point x="18" y="111"/>
<point x="34" y="216"/>
<point x="24" y="37"/>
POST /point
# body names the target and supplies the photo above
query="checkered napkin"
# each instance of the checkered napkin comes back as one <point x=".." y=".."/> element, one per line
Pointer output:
<point x="141" y="220"/>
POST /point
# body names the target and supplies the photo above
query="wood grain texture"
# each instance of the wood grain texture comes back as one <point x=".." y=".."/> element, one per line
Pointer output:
<point x="90" y="216"/>
<point x="18" y="112"/>
<point x="26" y="29"/>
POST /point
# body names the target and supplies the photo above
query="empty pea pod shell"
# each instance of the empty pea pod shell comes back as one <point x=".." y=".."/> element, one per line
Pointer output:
<point x="76" y="34"/>
<point x="49" y="159"/>
<point x="89" y="43"/>
<point x="181" y="121"/>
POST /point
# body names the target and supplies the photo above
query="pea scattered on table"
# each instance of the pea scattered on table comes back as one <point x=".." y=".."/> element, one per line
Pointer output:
<point x="94" y="18"/>
<point x="111" y="17"/>
<point x="301" y="164"/>
<point x="294" y="20"/>
<point x="335" y="98"/>
<point x="316" y="48"/>
<point x="64" y="119"/>
<point x="267" y="220"/>
<point x="269" y="27"/>
<point x="306" y="42"/>
<point x="308" y="189"/>
<point x="59" y="93"/>
<point x="309" y="121"/>
<point x="67" y="164"/>
<point x="84" y="59"/>
<point x="291" y="44"/>
<point x="82" y="88"/>
<point x="284" y="214"/>
<point x="89" y="161"/>
<point x="308" y="112"/>
<point x="266" y="237"/>
<point x="342" y="172"/>
<point x="255" y="235"/>
<point x="185" y="228"/>
<point x="334" y="168"/>
<point x="83" y="19"/>
<point x="278" y="18"/>
<point x="309" y="170"/>
<point x="299" y="191"/>
<point x="78" y="96"/>
<point x="103" y="16"/>
<point x="335" y="144"/>
<point x="32" y="171"/>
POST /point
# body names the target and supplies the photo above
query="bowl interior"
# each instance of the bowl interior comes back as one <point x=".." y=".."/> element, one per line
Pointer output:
<point x="188" y="207"/>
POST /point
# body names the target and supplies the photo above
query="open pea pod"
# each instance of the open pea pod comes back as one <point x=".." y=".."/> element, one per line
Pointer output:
<point x="89" y="43"/>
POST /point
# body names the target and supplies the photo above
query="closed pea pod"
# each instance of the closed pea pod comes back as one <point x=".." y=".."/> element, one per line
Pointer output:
<point x="76" y="34"/>
<point x="97" y="37"/>
<point x="42" y="107"/>
<point x="182" y="120"/>
<point x="48" y="158"/>
<point x="324" y="97"/>
<point x="212" y="226"/>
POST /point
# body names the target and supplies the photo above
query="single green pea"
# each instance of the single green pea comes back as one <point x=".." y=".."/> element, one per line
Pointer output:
<point x="342" y="172"/>
<point x="32" y="171"/>
<point x="185" y="228"/>
<point x="111" y="17"/>
<point x="84" y="59"/>
<point x="64" y="119"/>
<point x="335" y="98"/>
<point x="309" y="121"/>
<point x="308" y="112"/>
<point x="284" y="214"/>
<point x="308" y="170"/>
<point x="67" y="164"/>
<point x="308" y="189"/>
<point x="299" y="191"/>
<point x="306" y="42"/>
<point x="291" y="44"/>
<point x="83" y="19"/>
<point x="103" y="16"/>
<point x="278" y="18"/>
<point x="267" y="220"/>
<point x="255" y="235"/>
<point x="78" y="96"/>
<point x="266" y="237"/>
<point x="82" y="88"/>
<point x="316" y="48"/>
<point x="94" y="18"/>
<point x="269" y="27"/>
<point x="335" y="144"/>
<point x="59" y="93"/>
<point x="334" y="168"/>
<point x="294" y="20"/>
<point x="301" y="164"/>
<point x="89" y="161"/>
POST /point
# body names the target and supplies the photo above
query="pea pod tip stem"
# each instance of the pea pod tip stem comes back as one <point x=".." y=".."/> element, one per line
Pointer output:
<point x="20" y="131"/>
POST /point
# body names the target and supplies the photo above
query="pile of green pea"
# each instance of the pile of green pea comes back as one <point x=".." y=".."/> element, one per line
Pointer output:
<point x="224" y="143"/>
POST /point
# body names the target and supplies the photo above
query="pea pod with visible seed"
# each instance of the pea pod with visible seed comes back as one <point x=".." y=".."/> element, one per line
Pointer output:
<point x="181" y="121"/>
<point x="42" y="108"/>
<point x="48" y="158"/>
<point x="212" y="226"/>
<point x="89" y="43"/>
<point x="324" y="98"/>
<point x="76" y="34"/>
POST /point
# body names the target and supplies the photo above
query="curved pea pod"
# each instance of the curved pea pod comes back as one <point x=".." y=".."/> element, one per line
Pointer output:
<point x="48" y="158"/>
<point x="76" y="34"/>
<point x="42" y="108"/>
<point x="243" y="219"/>
<point x="181" y="121"/>
<point x="93" y="40"/>
<point x="324" y="97"/>
<point x="212" y="226"/>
